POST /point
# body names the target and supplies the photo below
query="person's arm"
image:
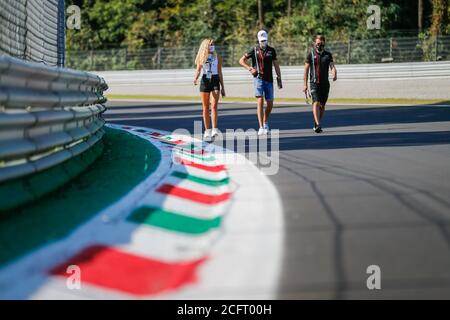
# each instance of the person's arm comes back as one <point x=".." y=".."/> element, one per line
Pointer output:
<point x="243" y="63"/>
<point x="333" y="71"/>
<point x="278" y="72"/>
<point x="305" y="77"/>
<point x="222" y="86"/>
<point x="197" y="73"/>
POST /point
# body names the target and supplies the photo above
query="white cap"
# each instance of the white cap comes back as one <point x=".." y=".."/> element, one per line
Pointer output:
<point x="262" y="35"/>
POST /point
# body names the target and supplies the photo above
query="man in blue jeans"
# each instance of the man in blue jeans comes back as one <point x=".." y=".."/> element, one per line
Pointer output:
<point x="263" y="58"/>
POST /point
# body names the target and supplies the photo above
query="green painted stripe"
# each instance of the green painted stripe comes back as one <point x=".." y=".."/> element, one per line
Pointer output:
<point x="173" y="221"/>
<point x="190" y="155"/>
<point x="204" y="181"/>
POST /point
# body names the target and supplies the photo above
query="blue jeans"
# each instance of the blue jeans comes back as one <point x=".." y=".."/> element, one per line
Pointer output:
<point x="263" y="89"/>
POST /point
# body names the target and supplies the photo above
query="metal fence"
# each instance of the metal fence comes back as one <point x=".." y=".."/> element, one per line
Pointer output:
<point x="47" y="116"/>
<point x="405" y="49"/>
<point x="33" y="30"/>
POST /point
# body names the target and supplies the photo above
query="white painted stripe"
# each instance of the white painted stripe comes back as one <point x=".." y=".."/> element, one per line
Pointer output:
<point x="185" y="207"/>
<point x="207" y="160"/>
<point x="157" y="243"/>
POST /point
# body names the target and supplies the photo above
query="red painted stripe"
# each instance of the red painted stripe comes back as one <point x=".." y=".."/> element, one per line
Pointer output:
<point x="189" y="163"/>
<point x="193" y="195"/>
<point x="176" y="142"/>
<point x="118" y="270"/>
<point x="155" y="134"/>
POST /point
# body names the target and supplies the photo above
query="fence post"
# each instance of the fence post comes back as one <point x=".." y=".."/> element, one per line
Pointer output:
<point x="349" y="50"/>
<point x="92" y="60"/>
<point x="231" y="63"/>
<point x="390" y="47"/>
<point x="126" y="59"/>
<point x="436" y="48"/>
<point x="158" y="58"/>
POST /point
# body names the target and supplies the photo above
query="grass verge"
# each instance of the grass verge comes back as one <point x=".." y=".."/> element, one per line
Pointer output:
<point x="126" y="160"/>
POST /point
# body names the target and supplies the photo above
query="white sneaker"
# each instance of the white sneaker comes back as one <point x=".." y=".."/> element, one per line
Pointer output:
<point x="207" y="134"/>
<point x="261" y="131"/>
<point x="266" y="128"/>
<point x="215" y="132"/>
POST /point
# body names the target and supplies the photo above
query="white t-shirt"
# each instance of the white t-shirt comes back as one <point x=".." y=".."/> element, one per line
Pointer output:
<point x="211" y="65"/>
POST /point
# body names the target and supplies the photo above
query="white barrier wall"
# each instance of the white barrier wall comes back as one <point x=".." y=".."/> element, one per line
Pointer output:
<point x="420" y="80"/>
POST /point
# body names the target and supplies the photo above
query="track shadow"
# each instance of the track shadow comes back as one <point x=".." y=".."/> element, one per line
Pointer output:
<point x="110" y="114"/>
<point x="396" y="139"/>
<point x="445" y="102"/>
<point x="116" y="105"/>
<point x="295" y="118"/>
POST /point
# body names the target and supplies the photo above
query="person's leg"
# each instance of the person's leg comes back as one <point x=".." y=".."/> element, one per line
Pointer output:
<point x="268" y="110"/>
<point x="322" y="111"/>
<point x="316" y="112"/>
<point x="260" y="111"/>
<point x="214" y="103"/>
<point x="268" y="93"/>
<point x="259" y="94"/>
<point x="205" y="103"/>
<point x="324" y="99"/>
<point x="316" y="103"/>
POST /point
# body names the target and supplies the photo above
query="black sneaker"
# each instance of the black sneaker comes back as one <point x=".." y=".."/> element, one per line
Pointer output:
<point x="318" y="129"/>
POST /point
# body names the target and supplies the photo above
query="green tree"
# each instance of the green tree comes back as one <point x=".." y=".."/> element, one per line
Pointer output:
<point x="105" y="23"/>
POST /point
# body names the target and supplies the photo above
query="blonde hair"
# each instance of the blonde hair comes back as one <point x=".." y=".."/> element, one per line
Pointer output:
<point x="203" y="52"/>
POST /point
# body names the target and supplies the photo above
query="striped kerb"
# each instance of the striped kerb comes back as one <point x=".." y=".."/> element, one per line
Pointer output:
<point x="112" y="268"/>
<point x="190" y="163"/>
<point x="208" y="182"/>
<point x="115" y="269"/>
<point x="191" y="150"/>
<point x="193" y="195"/>
<point x="199" y="157"/>
<point x="173" y="221"/>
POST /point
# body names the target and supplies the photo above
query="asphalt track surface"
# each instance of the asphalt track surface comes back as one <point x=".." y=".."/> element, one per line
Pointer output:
<point x="373" y="189"/>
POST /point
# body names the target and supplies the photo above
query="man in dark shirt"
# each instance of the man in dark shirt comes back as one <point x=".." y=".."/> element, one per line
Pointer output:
<point x="263" y="58"/>
<point x="317" y="64"/>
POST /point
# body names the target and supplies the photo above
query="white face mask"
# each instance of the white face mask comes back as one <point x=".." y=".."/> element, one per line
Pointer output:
<point x="212" y="49"/>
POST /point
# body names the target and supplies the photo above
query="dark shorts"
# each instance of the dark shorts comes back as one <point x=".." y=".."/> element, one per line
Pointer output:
<point x="319" y="92"/>
<point x="208" y="85"/>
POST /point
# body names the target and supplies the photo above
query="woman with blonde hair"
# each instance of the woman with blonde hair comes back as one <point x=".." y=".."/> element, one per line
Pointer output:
<point x="211" y="84"/>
